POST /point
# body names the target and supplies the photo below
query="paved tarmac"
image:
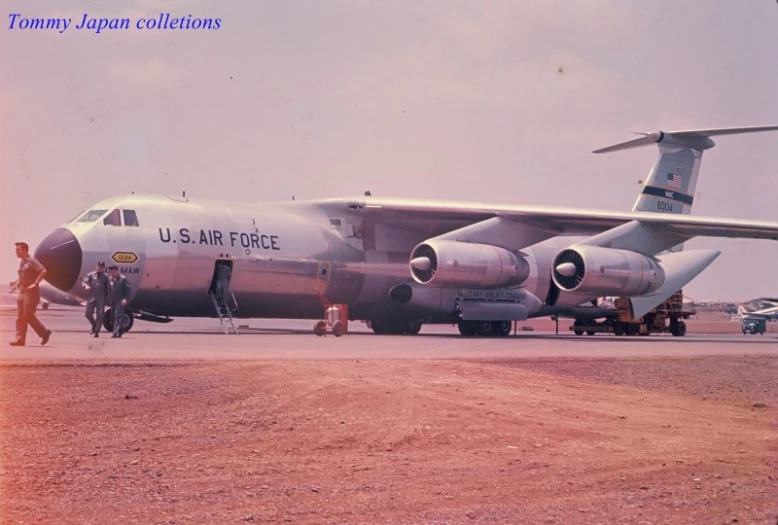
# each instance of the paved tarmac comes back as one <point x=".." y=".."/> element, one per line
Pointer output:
<point x="200" y="339"/>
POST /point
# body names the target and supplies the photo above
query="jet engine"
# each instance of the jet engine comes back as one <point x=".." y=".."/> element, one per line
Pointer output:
<point x="466" y="265"/>
<point x="593" y="270"/>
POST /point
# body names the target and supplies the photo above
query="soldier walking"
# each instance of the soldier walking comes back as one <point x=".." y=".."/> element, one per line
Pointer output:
<point x="31" y="273"/>
<point x="118" y="297"/>
<point x="97" y="286"/>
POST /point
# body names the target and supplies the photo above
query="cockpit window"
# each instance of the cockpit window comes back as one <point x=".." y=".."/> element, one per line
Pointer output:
<point x="113" y="219"/>
<point x="130" y="218"/>
<point x="91" y="215"/>
<point x="76" y="217"/>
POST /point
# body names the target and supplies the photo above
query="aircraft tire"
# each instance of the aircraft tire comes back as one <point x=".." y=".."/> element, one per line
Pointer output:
<point x="619" y="329"/>
<point x="577" y="330"/>
<point x="378" y="327"/>
<point x="127" y="321"/>
<point x="412" y="328"/>
<point x="484" y="328"/>
<point x="466" y="328"/>
<point x="502" y="328"/>
<point x="320" y="328"/>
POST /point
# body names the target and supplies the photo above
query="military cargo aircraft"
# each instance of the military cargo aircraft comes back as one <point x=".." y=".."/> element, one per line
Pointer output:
<point x="401" y="263"/>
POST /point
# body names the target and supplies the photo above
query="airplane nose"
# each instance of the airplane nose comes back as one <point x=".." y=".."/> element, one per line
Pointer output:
<point x="61" y="255"/>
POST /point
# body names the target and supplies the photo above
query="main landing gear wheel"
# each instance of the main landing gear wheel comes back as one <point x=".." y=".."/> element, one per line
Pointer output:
<point x="577" y="327"/>
<point x="485" y="328"/>
<point x="320" y="328"/>
<point x="502" y="328"/>
<point x="127" y="321"/>
<point x="395" y="327"/>
<point x="466" y="328"/>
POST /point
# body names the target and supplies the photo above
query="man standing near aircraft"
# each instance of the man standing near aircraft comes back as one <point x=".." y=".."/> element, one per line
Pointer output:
<point x="97" y="285"/>
<point x="31" y="273"/>
<point x="222" y="284"/>
<point x="119" y="295"/>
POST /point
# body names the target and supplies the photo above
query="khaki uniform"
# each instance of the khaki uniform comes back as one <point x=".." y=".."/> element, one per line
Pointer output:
<point x="27" y="301"/>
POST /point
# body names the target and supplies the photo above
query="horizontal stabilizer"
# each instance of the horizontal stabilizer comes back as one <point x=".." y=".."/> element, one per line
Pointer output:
<point x="695" y="138"/>
<point x="680" y="268"/>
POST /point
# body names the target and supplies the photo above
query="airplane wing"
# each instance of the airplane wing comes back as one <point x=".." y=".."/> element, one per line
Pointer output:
<point x="435" y="218"/>
<point x="766" y="313"/>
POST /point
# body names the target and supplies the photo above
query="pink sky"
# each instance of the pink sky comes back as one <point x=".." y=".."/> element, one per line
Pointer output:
<point x="448" y="99"/>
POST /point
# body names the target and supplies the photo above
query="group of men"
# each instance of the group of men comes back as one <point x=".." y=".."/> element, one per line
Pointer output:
<point x="113" y="290"/>
<point x="103" y="289"/>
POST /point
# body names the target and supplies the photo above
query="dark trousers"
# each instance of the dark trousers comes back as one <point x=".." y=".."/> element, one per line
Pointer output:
<point x="98" y="304"/>
<point x="26" y="306"/>
<point x="220" y="292"/>
<point x="118" y="313"/>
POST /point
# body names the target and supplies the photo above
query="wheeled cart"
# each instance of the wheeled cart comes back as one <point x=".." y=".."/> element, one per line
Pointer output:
<point x="335" y="317"/>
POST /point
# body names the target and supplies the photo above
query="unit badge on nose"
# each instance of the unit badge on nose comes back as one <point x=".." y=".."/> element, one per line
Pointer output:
<point x="124" y="257"/>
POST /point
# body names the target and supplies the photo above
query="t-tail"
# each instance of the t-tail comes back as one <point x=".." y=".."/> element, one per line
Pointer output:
<point x="671" y="183"/>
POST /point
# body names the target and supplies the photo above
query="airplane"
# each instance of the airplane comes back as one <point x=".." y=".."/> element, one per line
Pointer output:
<point x="400" y="263"/>
<point x="768" y="314"/>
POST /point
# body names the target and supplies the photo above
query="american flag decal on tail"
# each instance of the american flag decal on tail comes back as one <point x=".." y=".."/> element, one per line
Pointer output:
<point x="674" y="181"/>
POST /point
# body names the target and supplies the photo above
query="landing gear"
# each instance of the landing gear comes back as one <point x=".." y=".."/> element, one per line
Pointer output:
<point x="502" y="328"/>
<point x="578" y="327"/>
<point x="485" y="328"/>
<point x="127" y="321"/>
<point x="396" y="327"/>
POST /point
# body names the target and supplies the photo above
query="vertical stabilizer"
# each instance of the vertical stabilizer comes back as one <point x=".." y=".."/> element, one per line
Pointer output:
<point x="672" y="182"/>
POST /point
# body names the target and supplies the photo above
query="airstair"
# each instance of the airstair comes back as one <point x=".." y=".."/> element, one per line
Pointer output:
<point x="225" y="316"/>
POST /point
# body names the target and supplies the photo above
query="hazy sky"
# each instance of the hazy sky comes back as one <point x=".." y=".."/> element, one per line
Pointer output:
<point x="449" y="99"/>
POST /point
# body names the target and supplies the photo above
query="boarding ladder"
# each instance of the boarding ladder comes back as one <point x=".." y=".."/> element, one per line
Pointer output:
<point x="225" y="316"/>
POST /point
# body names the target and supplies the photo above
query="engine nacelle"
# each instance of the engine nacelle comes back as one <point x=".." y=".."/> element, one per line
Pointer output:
<point x="592" y="270"/>
<point x="466" y="265"/>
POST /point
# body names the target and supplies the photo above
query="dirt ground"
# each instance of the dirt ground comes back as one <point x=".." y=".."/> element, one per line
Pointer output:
<point x="642" y="441"/>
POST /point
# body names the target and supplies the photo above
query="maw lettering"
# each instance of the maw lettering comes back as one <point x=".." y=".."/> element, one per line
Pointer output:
<point x="217" y="238"/>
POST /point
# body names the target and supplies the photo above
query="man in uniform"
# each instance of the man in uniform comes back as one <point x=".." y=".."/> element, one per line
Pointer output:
<point x="97" y="285"/>
<point x="31" y="273"/>
<point x="118" y="297"/>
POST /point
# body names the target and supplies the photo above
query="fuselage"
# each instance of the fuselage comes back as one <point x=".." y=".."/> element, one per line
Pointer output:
<point x="281" y="254"/>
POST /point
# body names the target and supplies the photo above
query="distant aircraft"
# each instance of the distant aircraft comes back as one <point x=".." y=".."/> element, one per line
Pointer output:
<point x="401" y="263"/>
<point x="769" y="314"/>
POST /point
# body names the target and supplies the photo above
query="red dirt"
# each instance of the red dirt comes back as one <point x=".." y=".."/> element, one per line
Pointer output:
<point x="359" y="441"/>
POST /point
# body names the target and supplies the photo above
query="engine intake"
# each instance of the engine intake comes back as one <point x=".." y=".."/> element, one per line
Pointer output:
<point x="467" y="265"/>
<point x="606" y="271"/>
